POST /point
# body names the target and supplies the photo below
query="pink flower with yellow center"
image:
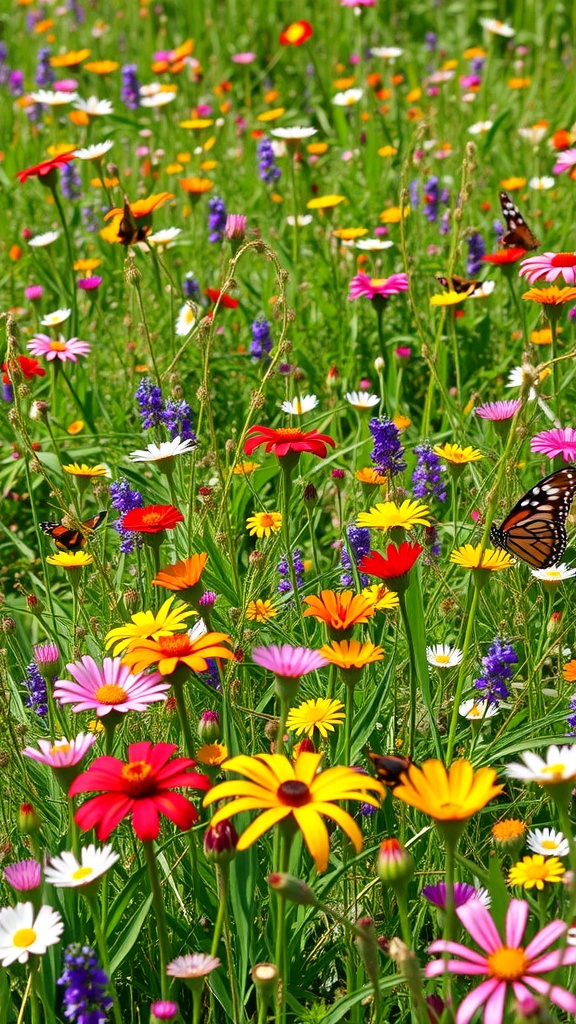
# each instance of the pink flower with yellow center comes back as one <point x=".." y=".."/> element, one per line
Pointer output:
<point x="363" y="286"/>
<point x="549" y="266"/>
<point x="65" y="351"/>
<point x="109" y="687"/>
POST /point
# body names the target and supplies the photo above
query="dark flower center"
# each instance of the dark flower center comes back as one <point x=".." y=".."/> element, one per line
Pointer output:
<point x="135" y="776"/>
<point x="294" y="793"/>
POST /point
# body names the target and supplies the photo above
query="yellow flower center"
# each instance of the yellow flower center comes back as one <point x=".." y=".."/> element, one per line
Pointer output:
<point x="474" y="712"/>
<point x="57" y="346"/>
<point x="377" y="282"/>
<point x="548" y="844"/>
<point x="553" y="769"/>
<point x="442" y="659"/>
<point x="151" y="519"/>
<point x="111" y="694"/>
<point x="135" y="774"/>
<point x="82" y="873"/>
<point x="508" y="964"/>
<point x="60" y="748"/>
<point x="294" y="793"/>
<point x="24" y="937"/>
<point x="175" y="646"/>
<point x="288" y="434"/>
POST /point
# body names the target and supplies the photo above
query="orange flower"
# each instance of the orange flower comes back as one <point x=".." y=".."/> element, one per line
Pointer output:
<point x="340" y="611"/>
<point x="140" y="209"/>
<point x="169" y="652"/>
<point x="102" y="67"/>
<point x="182" y="575"/>
<point x="552" y="296"/>
<point x="369" y="475"/>
<point x="196" y="186"/>
<point x="296" y="34"/>
<point x="71" y="59"/>
<point x="570" y="671"/>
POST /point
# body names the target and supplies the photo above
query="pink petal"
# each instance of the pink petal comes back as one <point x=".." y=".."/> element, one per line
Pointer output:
<point x="549" y="962"/>
<point x="474" y="1000"/>
<point x="453" y="967"/>
<point x="516" y="918"/>
<point x="555" y="994"/>
<point x="544" y="938"/>
<point x="494" y="1010"/>
<point x="478" y="922"/>
<point x="441" y="946"/>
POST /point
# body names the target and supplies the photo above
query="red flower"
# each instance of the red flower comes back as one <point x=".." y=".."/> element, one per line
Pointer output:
<point x="152" y="518"/>
<point x="142" y="787"/>
<point x="289" y="439"/>
<point x="504" y="256"/>
<point x="44" y="168"/>
<point x="296" y="33"/>
<point x="30" y="368"/>
<point x="225" y="300"/>
<point x="398" y="561"/>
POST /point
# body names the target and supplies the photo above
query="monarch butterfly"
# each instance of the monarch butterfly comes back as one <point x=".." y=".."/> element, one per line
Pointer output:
<point x="72" y="540"/>
<point x="389" y="767"/>
<point x="535" y="529"/>
<point x="519" y="234"/>
<point x="128" y="232"/>
<point x="459" y="284"/>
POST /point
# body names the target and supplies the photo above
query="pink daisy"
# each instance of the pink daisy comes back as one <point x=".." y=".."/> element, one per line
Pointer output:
<point x="560" y="441"/>
<point x="502" y="410"/>
<point x="287" y="661"/>
<point x="363" y="286"/>
<point x="565" y="161"/>
<point x="63" y="753"/>
<point x="111" y="687"/>
<point x="549" y="266"/>
<point x="507" y="962"/>
<point x="65" y="351"/>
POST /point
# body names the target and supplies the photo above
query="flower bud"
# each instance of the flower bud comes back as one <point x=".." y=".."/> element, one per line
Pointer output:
<point x="310" y="494"/>
<point x="265" y="978"/>
<point x="209" y="727"/>
<point x="367" y="943"/>
<point x="220" y="842"/>
<point x="28" y="820"/>
<point x="163" y="1010"/>
<point x="395" y="865"/>
<point x="292" y="888"/>
<point x="379" y="364"/>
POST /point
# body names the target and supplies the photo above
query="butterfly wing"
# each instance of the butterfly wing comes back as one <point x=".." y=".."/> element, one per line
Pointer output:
<point x="535" y="529"/>
<point x="519" y="234"/>
<point x="459" y="284"/>
<point x="72" y="540"/>
<point x="389" y="767"/>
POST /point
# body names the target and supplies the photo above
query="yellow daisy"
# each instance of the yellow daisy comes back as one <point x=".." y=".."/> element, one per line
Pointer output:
<point x="457" y="455"/>
<point x="264" y="523"/>
<point x="322" y="714"/>
<point x="149" y="626"/>
<point x="71" y="559"/>
<point x="74" y="469"/>
<point x="387" y="516"/>
<point x="471" y="557"/>
<point x="260" y="611"/>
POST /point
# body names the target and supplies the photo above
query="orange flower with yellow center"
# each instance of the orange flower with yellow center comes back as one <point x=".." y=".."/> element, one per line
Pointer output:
<point x="262" y="524"/>
<point x="370" y="476"/>
<point x="340" y="611"/>
<point x="167" y="653"/>
<point x="552" y="296"/>
<point x="182" y="575"/>
<point x="196" y="186"/>
<point x="351" y="653"/>
<point x="212" y="754"/>
<point x="448" y="795"/>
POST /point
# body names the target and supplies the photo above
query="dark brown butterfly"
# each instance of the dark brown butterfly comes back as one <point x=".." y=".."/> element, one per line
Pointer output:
<point x="519" y="235"/>
<point x="72" y="540"/>
<point x="128" y="232"/>
<point x="535" y="529"/>
<point x="460" y="285"/>
<point x="389" y="767"/>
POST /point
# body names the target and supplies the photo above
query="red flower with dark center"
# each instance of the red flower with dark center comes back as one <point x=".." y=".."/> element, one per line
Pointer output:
<point x="504" y="256"/>
<point x="288" y="439"/>
<point x="296" y="34"/>
<point x="30" y="368"/>
<point x="142" y="787"/>
<point x="398" y="561"/>
<point x="225" y="300"/>
<point x="152" y="518"/>
<point x="43" y="169"/>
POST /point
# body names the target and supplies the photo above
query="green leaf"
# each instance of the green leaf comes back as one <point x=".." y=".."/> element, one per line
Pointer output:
<point x="129" y="935"/>
<point x="498" y="891"/>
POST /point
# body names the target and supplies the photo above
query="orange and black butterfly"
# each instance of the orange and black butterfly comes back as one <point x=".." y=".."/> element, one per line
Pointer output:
<point x="73" y="540"/>
<point x="535" y="529"/>
<point x="389" y="768"/>
<point x="128" y="231"/>
<point x="518" y="234"/>
<point x="461" y="285"/>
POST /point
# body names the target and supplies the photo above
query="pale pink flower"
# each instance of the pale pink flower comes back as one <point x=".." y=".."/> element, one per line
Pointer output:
<point x="505" y="962"/>
<point x="65" y="351"/>
<point x="501" y="410"/>
<point x="247" y="57"/>
<point x="565" y="161"/>
<point x="63" y="753"/>
<point x="559" y="441"/>
<point x="363" y="286"/>
<point x="549" y="266"/>
<point x="287" y="661"/>
<point x="109" y="687"/>
<point x="235" y="225"/>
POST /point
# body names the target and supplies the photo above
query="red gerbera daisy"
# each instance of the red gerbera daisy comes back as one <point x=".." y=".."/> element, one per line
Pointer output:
<point x="504" y="256"/>
<point x="225" y="300"/>
<point x="296" y="33"/>
<point x="30" y="368"/>
<point x="142" y="787"/>
<point x="288" y="439"/>
<point x="396" y="563"/>
<point x="152" y="518"/>
<point x="43" y="169"/>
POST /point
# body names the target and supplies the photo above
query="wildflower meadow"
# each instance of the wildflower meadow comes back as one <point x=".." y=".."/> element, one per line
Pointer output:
<point x="287" y="465"/>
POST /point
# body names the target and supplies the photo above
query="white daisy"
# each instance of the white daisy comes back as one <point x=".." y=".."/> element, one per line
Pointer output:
<point x="542" y="184"/>
<point x="40" y="241"/>
<point x="477" y="710"/>
<point x="94" y="152"/>
<point x="53" y="99"/>
<point x="95" y="107"/>
<point x="374" y="244"/>
<point x="21" y="933"/>
<point x="164" y="450"/>
<point x="548" y="842"/>
<point x="480" y="127"/>
<point x="55" y="318"/>
<point x="293" y="134"/>
<point x="66" y="872"/>
<point x="499" y="28"/>
<point x="303" y="220"/>
<point x="298" y="406"/>
<point x="164" y="237"/>
<point x="558" y="766"/>
<point x="347" y="98"/>
<point x="516" y="379"/>
<point x="185" y="320"/>
<point x="534" y="134"/>
<point x="160" y="99"/>
<point x="361" y="399"/>
<point x="443" y="656"/>
<point x="555" y="573"/>
<point x="386" y="52"/>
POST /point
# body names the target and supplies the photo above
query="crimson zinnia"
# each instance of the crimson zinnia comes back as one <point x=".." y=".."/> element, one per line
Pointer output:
<point x="398" y="561"/>
<point x="142" y="787"/>
<point x="41" y="170"/>
<point x="30" y="368"/>
<point x="288" y="439"/>
<point x="152" y="518"/>
<point x="505" y="256"/>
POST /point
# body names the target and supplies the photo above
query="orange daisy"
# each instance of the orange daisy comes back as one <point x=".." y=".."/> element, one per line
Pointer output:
<point x="340" y="611"/>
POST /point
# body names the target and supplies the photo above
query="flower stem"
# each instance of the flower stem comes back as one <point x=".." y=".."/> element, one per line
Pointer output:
<point x="184" y="720"/>
<point x="412" y="668"/>
<point x="348" y="724"/>
<point x="462" y="673"/>
<point x="281" y="959"/>
<point x="286" y="489"/>
<point x="34" y="1000"/>
<point x="103" y="952"/>
<point x="159" y="913"/>
<point x="284" y="709"/>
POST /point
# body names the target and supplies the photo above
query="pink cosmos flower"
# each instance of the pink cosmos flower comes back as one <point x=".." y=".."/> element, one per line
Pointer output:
<point x="363" y="286"/>
<point x="560" y="441"/>
<point x="24" y="875"/>
<point x="33" y="292"/>
<point x="506" y="963"/>
<point x="235" y="225"/>
<point x="549" y="266"/>
<point x="502" y="410"/>
<point x="287" y="661"/>
<point x="63" y="753"/>
<point x="111" y="687"/>
<point x="565" y="161"/>
<point x="247" y="57"/>
<point x="65" y="351"/>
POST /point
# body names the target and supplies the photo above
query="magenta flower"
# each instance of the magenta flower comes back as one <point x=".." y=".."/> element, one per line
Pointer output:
<point x="24" y="875"/>
<point x="65" y="351"/>
<point x="46" y="655"/>
<point x="235" y="225"/>
<point x="502" y="410"/>
<point x="111" y="687"/>
<point x="287" y="661"/>
<point x="63" y="753"/>
<point x="506" y="963"/>
<point x="559" y="441"/>
<point x="90" y="284"/>
<point x="565" y="161"/>
<point x="363" y="286"/>
<point x="33" y="292"/>
<point x="549" y="266"/>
